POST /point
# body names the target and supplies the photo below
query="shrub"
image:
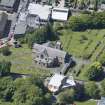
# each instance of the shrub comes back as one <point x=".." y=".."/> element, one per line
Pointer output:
<point x="66" y="97"/>
<point x="5" y="68"/>
<point x="6" y="51"/>
<point x="95" y="71"/>
<point x="91" y="90"/>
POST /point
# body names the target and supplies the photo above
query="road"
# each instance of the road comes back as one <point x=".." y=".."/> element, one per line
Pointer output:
<point x="15" y="16"/>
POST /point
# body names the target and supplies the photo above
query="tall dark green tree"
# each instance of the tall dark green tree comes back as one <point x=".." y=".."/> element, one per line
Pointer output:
<point x="91" y="90"/>
<point x="66" y="97"/>
<point x="95" y="71"/>
<point x="40" y="35"/>
<point x="5" y="67"/>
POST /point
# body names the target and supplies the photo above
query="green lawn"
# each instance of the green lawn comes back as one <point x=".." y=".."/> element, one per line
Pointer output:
<point x="87" y="103"/>
<point x="82" y="44"/>
<point x="21" y="59"/>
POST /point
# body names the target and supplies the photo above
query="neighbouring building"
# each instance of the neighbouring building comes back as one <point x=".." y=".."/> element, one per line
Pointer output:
<point x="49" y="57"/>
<point x="102" y="101"/>
<point x="3" y="22"/>
<point x="9" y="5"/>
<point x="38" y="15"/>
<point x="42" y="11"/>
<point x="59" y="82"/>
<point x="60" y="14"/>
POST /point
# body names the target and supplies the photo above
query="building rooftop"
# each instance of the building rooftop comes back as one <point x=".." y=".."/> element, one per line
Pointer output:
<point x="58" y="81"/>
<point x="51" y="52"/>
<point x="42" y="11"/>
<point x="8" y="3"/>
<point x="60" y="14"/>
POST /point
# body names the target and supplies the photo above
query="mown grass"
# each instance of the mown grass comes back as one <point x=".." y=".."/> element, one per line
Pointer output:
<point x="74" y="43"/>
<point x="82" y="44"/>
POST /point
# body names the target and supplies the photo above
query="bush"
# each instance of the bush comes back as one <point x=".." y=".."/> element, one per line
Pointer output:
<point x="6" y="51"/>
<point x="91" y="90"/>
<point x="66" y="97"/>
<point x="5" y="68"/>
<point x="95" y="71"/>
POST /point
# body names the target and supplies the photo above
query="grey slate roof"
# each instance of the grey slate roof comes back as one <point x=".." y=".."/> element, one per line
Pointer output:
<point x="52" y="52"/>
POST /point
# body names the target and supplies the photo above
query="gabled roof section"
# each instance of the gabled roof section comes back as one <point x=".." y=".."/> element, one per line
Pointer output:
<point x="52" y="52"/>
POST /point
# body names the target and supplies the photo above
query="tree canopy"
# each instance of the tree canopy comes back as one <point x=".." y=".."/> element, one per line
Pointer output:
<point x="87" y="21"/>
<point x="91" y="90"/>
<point x="95" y="71"/>
<point x="41" y="35"/>
<point x="5" y="67"/>
<point x="66" y="97"/>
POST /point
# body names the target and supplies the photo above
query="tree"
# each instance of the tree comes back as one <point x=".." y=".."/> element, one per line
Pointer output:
<point x="79" y="23"/>
<point x="7" y="88"/>
<point x="91" y="90"/>
<point x="87" y="21"/>
<point x="27" y="93"/>
<point x="96" y="5"/>
<point x="6" y="51"/>
<point x="48" y="99"/>
<point x="40" y="35"/>
<point x="31" y="91"/>
<point x="37" y="36"/>
<point x="5" y="67"/>
<point x="66" y="97"/>
<point x="79" y="93"/>
<point x="95" y="71"/>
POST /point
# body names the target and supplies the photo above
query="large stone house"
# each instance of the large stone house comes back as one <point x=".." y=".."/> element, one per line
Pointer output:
<point x="49" y="57"/>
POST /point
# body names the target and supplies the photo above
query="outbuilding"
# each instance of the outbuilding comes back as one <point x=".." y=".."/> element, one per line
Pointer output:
<point x="60" y="14"/>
